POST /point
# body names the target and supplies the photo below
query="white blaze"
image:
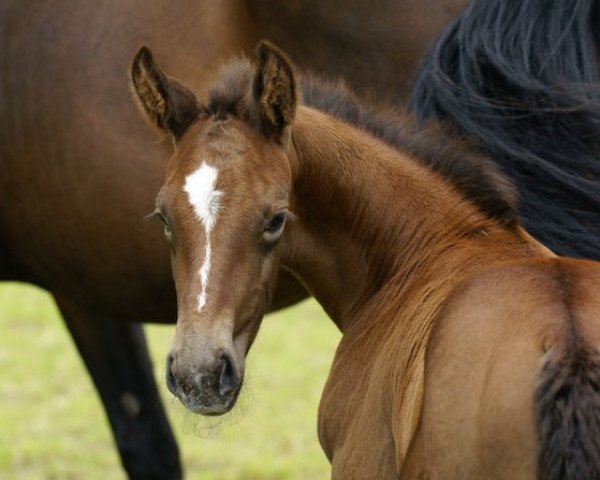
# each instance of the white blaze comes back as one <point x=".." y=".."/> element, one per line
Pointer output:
<point x="200" y="187"/>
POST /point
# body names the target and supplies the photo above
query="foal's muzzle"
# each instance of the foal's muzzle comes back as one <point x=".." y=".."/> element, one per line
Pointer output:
<point x="208" y="391"/>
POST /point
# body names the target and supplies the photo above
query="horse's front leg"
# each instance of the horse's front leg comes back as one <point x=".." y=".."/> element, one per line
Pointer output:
<point x="116" y="356"/>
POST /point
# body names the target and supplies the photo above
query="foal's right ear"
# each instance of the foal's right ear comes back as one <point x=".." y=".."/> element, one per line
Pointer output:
<point x="274" y="90"/>
<point x="165" y="102"/>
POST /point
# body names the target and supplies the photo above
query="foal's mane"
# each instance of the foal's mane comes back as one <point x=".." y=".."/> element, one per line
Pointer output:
<point x="434" y="144"/>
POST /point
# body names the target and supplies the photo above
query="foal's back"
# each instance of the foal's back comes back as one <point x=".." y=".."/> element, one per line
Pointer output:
<point x="512" y="377"/>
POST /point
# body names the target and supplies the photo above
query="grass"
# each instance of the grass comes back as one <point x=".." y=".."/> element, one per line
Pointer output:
<point x="52" y="425"/>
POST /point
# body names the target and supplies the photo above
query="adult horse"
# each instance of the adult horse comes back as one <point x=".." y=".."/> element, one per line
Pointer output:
<point x="69" y="136"/>
<point x="469" y="350"/>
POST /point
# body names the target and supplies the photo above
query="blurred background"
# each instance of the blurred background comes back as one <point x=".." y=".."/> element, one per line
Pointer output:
<point x="52" y="425"/>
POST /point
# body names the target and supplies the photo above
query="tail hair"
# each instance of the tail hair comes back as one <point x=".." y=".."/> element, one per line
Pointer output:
<point x="568" y="416"/>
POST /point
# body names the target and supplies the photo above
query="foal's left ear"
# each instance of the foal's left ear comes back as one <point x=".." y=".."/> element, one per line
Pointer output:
<point x="166" y="103"/>
<point x="274" y="90"/>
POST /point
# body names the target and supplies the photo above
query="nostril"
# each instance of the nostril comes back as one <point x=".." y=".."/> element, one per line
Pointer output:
<point x="170" y="376"/>
<point x="227" y="377"/>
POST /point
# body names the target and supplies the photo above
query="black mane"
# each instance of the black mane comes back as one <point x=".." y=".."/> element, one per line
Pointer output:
<point x="434" y="144"/>
<point x="520" y="76"/>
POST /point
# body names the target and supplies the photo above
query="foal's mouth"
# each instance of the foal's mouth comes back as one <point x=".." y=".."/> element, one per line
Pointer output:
<point x="209" y="403"/>
<point x="200" y="408"/>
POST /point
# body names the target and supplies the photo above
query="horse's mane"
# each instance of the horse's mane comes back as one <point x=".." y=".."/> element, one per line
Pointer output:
<point x="433" y="144"/>
<point x="520" y="75"/>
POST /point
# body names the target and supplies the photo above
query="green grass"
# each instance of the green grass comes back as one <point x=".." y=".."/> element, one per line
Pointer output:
<point x="52" y="425"/>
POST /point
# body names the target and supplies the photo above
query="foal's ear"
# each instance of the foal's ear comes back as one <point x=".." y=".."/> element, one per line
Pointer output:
<point x="274" y="90"/>
<point x="165" y="102"/>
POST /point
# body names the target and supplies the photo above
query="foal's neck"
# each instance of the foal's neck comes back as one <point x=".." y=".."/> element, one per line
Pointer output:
<point x="368" y="216"/>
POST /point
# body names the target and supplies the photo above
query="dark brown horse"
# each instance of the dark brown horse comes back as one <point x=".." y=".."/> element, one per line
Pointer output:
<point x="469" y="350"/>
<point x="70" y="137"/>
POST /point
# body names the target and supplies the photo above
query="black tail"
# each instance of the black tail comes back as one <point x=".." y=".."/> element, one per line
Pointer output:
<point x="521" y="76"/>
<point x="568" y="416"/>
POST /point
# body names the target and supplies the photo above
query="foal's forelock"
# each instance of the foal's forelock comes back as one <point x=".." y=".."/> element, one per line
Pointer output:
<point x="203" y="196"/>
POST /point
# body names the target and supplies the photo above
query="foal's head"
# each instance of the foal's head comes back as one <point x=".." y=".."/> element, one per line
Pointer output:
<point x="224" y="206"/>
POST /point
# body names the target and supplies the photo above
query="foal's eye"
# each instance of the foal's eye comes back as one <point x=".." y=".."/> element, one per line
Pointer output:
<point x="275" y="223"/>
<point x="274" y="226"/>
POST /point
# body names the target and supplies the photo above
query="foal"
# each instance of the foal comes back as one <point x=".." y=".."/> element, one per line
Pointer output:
<point x="469" y="351"/>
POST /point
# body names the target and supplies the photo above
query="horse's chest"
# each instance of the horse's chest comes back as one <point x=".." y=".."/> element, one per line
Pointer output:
<point x="355" y="420"/>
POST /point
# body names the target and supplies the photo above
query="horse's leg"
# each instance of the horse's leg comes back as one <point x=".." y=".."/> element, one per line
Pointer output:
<point x="116" y="356"/>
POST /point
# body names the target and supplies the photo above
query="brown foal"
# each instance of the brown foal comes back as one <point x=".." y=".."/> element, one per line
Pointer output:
<point x="469" y="351"/>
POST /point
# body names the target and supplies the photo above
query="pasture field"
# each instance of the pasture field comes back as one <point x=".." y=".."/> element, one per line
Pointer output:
<point x="52" y="425"/>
